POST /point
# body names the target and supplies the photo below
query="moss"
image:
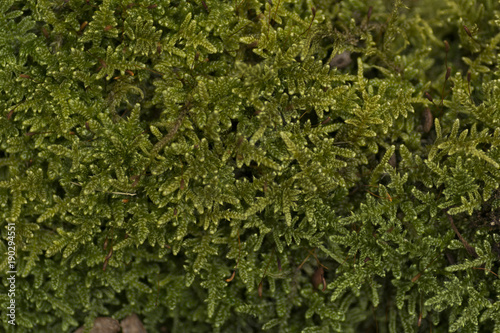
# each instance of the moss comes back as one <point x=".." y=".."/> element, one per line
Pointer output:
<point x="284" y="165"/>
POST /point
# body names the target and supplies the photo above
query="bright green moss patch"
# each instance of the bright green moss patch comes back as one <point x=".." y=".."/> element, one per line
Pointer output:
<point x="237" y="166"/>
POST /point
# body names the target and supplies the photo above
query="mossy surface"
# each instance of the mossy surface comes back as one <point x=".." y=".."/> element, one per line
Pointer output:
<point x="247" y="165"/>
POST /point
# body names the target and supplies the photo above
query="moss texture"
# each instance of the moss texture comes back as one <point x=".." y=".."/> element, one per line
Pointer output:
<point x="249" y="165"/>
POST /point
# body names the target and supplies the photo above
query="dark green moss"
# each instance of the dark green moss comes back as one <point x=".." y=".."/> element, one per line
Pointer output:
<point x="148" y="150"/>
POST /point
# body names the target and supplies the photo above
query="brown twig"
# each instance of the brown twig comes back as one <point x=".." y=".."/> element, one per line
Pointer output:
<point x="238" y="261"/>
<point x="469" y="248"/>
<point x="416" y="277"/>
<point x="484" y="269"/>
<point x="166" y="139"/>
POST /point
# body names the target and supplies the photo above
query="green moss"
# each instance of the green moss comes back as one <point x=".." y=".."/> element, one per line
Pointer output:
<point x="151" y="149"/>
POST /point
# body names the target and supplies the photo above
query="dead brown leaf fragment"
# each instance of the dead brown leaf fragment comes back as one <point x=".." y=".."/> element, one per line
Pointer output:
<point x="103" y="325"/>
<point x="428" y="120"/>
<point x="341" y="60"/>
<point x="318" y="278"/>
<point x="132" y="324"/>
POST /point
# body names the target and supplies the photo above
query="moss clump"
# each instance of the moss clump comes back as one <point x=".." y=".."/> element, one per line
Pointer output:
<point x="237" y="166"/>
